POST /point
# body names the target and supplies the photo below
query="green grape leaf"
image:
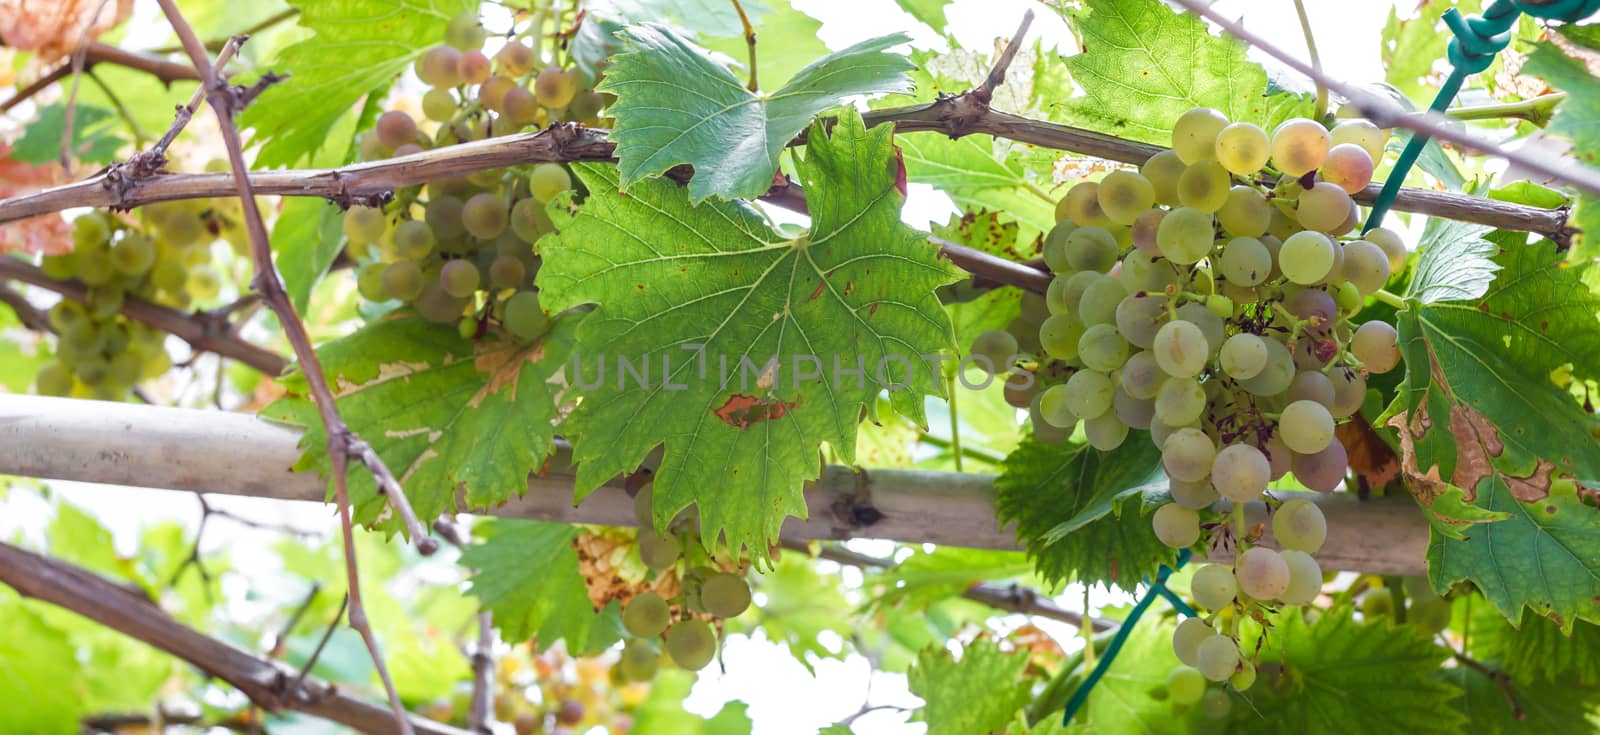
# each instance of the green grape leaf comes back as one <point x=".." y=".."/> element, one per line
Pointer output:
<point x="1578" y="120"/>
<point x="662" y="713"/>
<point x="1548" y="707"/>
<point x="675" y="105"/>
<point x="927" y="12"/>
<point x="714" y="297"/>
<point x="454" y="419"/>
<point x="1339" y="676"/>
<point x="992" y="308"/>
<point x="39" y="671"/>
<point x="1070" y="504"/>
<point x="20" y="356"/>
<point x="976" y="694"/>
<point x="592" y="45"/>
<point x="1454" y="262"/>
<point x="787" y="40"/>
<point x="802" y="603"/>
<point x="979" y="175"/>
<point x="525" y="573"/>
<point x="1130" y="698"/>
<point x="1144" y="64"/>
<point x="94" y="138"/>
<point x="707" y="17"/>
<point x="307" y="238"/>
<point x="1410" y="47"/>
<point x="948" y="571"/>
<point x="357" y="47"/>
<point x="1536" y="649"/>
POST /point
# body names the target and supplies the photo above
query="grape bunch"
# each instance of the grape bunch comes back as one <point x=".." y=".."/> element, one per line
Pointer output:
<point x="684" y="624"/>
<point x="462" y="250"/>
<point x="1208" y="297"/>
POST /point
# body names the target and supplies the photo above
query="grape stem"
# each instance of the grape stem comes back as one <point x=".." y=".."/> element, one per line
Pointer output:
<point x="749" y="40"/>
<point x="955" y="418"/>
<point x="1536" y="110"/>
<point x="1390" y="298"/>
<point x="1316" y="62"/>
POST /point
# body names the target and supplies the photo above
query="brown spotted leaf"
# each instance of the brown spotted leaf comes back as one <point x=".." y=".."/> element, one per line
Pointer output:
<point x="455" y="420"/>
<point x="736" y="346"/>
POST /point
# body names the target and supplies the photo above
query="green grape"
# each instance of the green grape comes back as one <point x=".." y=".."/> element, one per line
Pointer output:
<point x="1185" y="235"/>
<point x="66" y="314"/>
<point x="657" y="551"/>
<point x="1242" y="148"/>
<point x="1306" y="426"/>
<point x="1187" y="454"/>
<point x="1240" y="472"/>
<point x="1349" y="391"/>
<point x="1323" y="207"/>
<point x="94" y="266"/>
<point x="1430" y="615"/>
<point x="1141" y="376"/>
<point x="395" y="128"/>
<point x="547" y="180"/>
<point x="524" y="317"/>
<point x="60" y="267"/>
<point x="520" y="106"/>
<point x="1366" y="266"/>
<point x="1124" y="195"/>
<point x="506" y="271"/>
<point x="1091" y="248"/>
<point x="1055" y="247"/>
<point x="586" y="106"/>
<point x="1305" y="578"/>
<point x="1348" y="167"/>
<point x="554" y="88"/>
<point x="53" y="379"/>
<point x="365" y="224"/>
<point x="1363" y="134"/>
<point x="413" y="240"/>
<point x="125" y="369"/>
<point x="1245" y="213"/>
<point x="515" y="59"/>
<point x="459" y="278"/>
<point x="484" y="216"/>
<point x="1149" y="273"/>
<point x="1324" y="470"/>
<point x="204" y="283"/>
<point x="1204" y="186"/>
<point x="1299" y="525"/>
<point x="1138" y="317"/>
<point x="1311" y="385"/>
<point x="1299" y="146"/>
<point x="371" y="148"/>
<point x="1186" y="685"/>
<point x="1180" y="401"/>
<point x="1211" y="326"/>
<point x="1216" y="704"/>
<point x="1376" y="345"/>
<point x="1105" y="432"/>
<point x="1216" y="657"/>
<point x="465" y="32"/>
<point x="639" y="661"/>
<point x="725" y="595"/>
<point x="1081" y="205"/>
<point x="118" y="338"/>
<point x="997" y="346"/>
<point x="169" y="275"/>
<point x="1059" y="335"/>
<point x="1187" y="637"/>
<point x="646" y="615"/>
<point x="438" y="105"/>
<point x="92" y="370"/>
<point x="1245" y="677"/>
<point x="1194" y="135"/>
<point x="134" y="254"/>
<point x="1213" y="586"/>
<point x="1391" y="245"/>
<point x="492" y="93"/>
<point x="1135" y="413"/>
<point x="1176" y="526"/>
<point x="1306" y="257"/>
<point x="1243" y="356"/>
<point x="1098" y="304"/>
<point x="1088" y="394"/>
<point x="90" y="230"/>
<point x="402" y="280"/>
<point x="1377" y="603"/>
<point x="1245" y="261"/>
<point x="529" y="220"/>
<point x="83" y="338"/>
<point x="1180" y="348"/>
<point x="1043" y="430"/>
<point x="1066" y="291"/>
<point x="1275" y="377"/>
<point x="1261" y="573"/>
<point x="691" y="644"/>
<point x="443" y="214"/>
<point x="369" y="281"/>
<point x="1144" y="230"/>
<point x="1162" y="171"/>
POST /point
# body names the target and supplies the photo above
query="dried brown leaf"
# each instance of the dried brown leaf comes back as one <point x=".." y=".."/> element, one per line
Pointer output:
<point x="56" y="28"/>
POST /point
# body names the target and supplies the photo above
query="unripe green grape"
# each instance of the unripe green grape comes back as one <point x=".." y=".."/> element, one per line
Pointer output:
<point x="1135" y="413"/>
<point x="1187" y="637"/>
<point x="1306" y="426"/>
<point x="547" y="180"/>
<point x="1098" y="304"/>
<point x="1349" y="391"/>
<point x="1139" y="316"/>
<point x="1299" y="146"/>
<point x="1162" y="171"/>
<point x="1245" y="261"/>
<point x="438" y="104"/>
<point x="1211" y="326"/>
<point x="1055" y="247"/>
<point x="492" y="93"/>
<point x="443" y="214"/>
<point x="1431" y="616"/>
<point x="371" y="147"/>
<point x="1299" y="525"/>
<point x="1141" y="376"/>
<point x="1192" y="494"/>
<point x="369" y="282"/>
<point x="1088" y="394"/>
<point x="725" y="595"/>
<point x="90" y="229"/>
<point x="484" y="216"/>
<point x="515" y="59"/>
<point x="1242" y="148"/>
<point x="1216" y="657"/>
<point x="1305" y="578"/>
<point x="92" y="370"/>
<point x="1366" y="266"/>
<point x="1348" y="167"/>
<point x="1150" y="273"/>
<point x="1261" y="573"/>
<point x="464" y="32"/>
<point x="1186" y="685"/>
<point x="402" y="280"/>
<point x="1360" y="133"/>
<point x="1376" y="345"/>
<point x="134" y="254"/>
<point x="1216" y="704"/>
<point x="1187" y="454"/>
<point x="1194" y="134"/>
<point x="395" y="128"/>
<point x="1176" y="526"/>
<point x="524" y="317"/>
<point x="67" y="314"/>
<point x="1377" y="603"/>
<point x="1180" y="348"/>
<point x="1124" y="195"/>
<point x="1105" y="432"/>
<point x="1204" y="186"/>
<point x="1043" y="431"/>
<point x="554" y="88"/>
<point x="125" y="369"/>
<point x="1213" y="586"/>
<point x="1245" y="677"/>
<point x="1240" y="472"/>
<point x="53" y="379"/>
<point x="519" y="106"/>
<point x="639" y="661"/>
<point x="585" y="107"/>
<point x="365" y="224"/>
<point x="1311" y="385"/>
<point x="1323" y="207"/>
<point x="529" y="220"/>
<point x="1185" y="235"/>
<point x="1276" y="376"/>
<point x="1243" y="356"/>
<point x="1082" y="205"/>
<point x="1059" y="335"/>
<point x="1144" y="230"/>
<point x="996" y="345"/>
<point x="1053" y="407"/>
<point x="506" y="272"/>
<point x="94" y="266"/>
<point x="1066" y="291"/>
<point x="459" y="278"/>
<point x="413" y="239"/>
<point x="204" y="284"/>
<point x="657" y="551"/>
<point x="60" y="267"/>
<point x="1245" y="213"/>
<point x="1392" y="246"/>
<point x="691" y="644"/>
<point x="1180" y="401"/>
<point x="1306" y="257"/>
<point x="646" y="615"/>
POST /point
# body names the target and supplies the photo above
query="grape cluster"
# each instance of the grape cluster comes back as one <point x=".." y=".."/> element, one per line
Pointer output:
<point x="461" y="250"/>
<point x="165" y="259"/>
<point x="1192" y="300"/>
<point x="685" y="623"/>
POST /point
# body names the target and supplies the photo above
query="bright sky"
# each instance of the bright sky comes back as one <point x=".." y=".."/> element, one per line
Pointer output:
<point x="784" y="698"/>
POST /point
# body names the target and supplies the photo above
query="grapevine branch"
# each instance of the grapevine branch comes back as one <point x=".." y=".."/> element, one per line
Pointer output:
<point x="342" y="443"/>
<point x="480" y="713"/>
<point x="264" y="681"/>
<point x="99" y="53"/>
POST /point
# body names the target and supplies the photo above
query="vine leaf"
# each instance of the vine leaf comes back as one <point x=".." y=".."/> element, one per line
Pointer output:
<point x="1574" y="120"/>
<point x="94" y="138"/>
<point x="1069" y="503"/>
<point x="1130" y="698"/>
<point x="1144" y="64"/>
<point x="525" y="573"/>
<point x="993" y="308"/>
<point x="307" y="238"/>
<point x="357" y="47"/>
<point x="1535" y="649"/>
<point x="675" y="105"/>
<point x="977" y="693"/>
<point x="948" y="571"/>
<point x="787" y="39"/>
<point x="1548" y="706"/>
<point x="802" y="603"/>
<point x="1486" y="412"/>
<point x="461" y="423"/>
<point x="662" y="713"/>
<point x="976" y="176"/>
<point x="38" y="659"/>
<point x="756" y="336"/>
